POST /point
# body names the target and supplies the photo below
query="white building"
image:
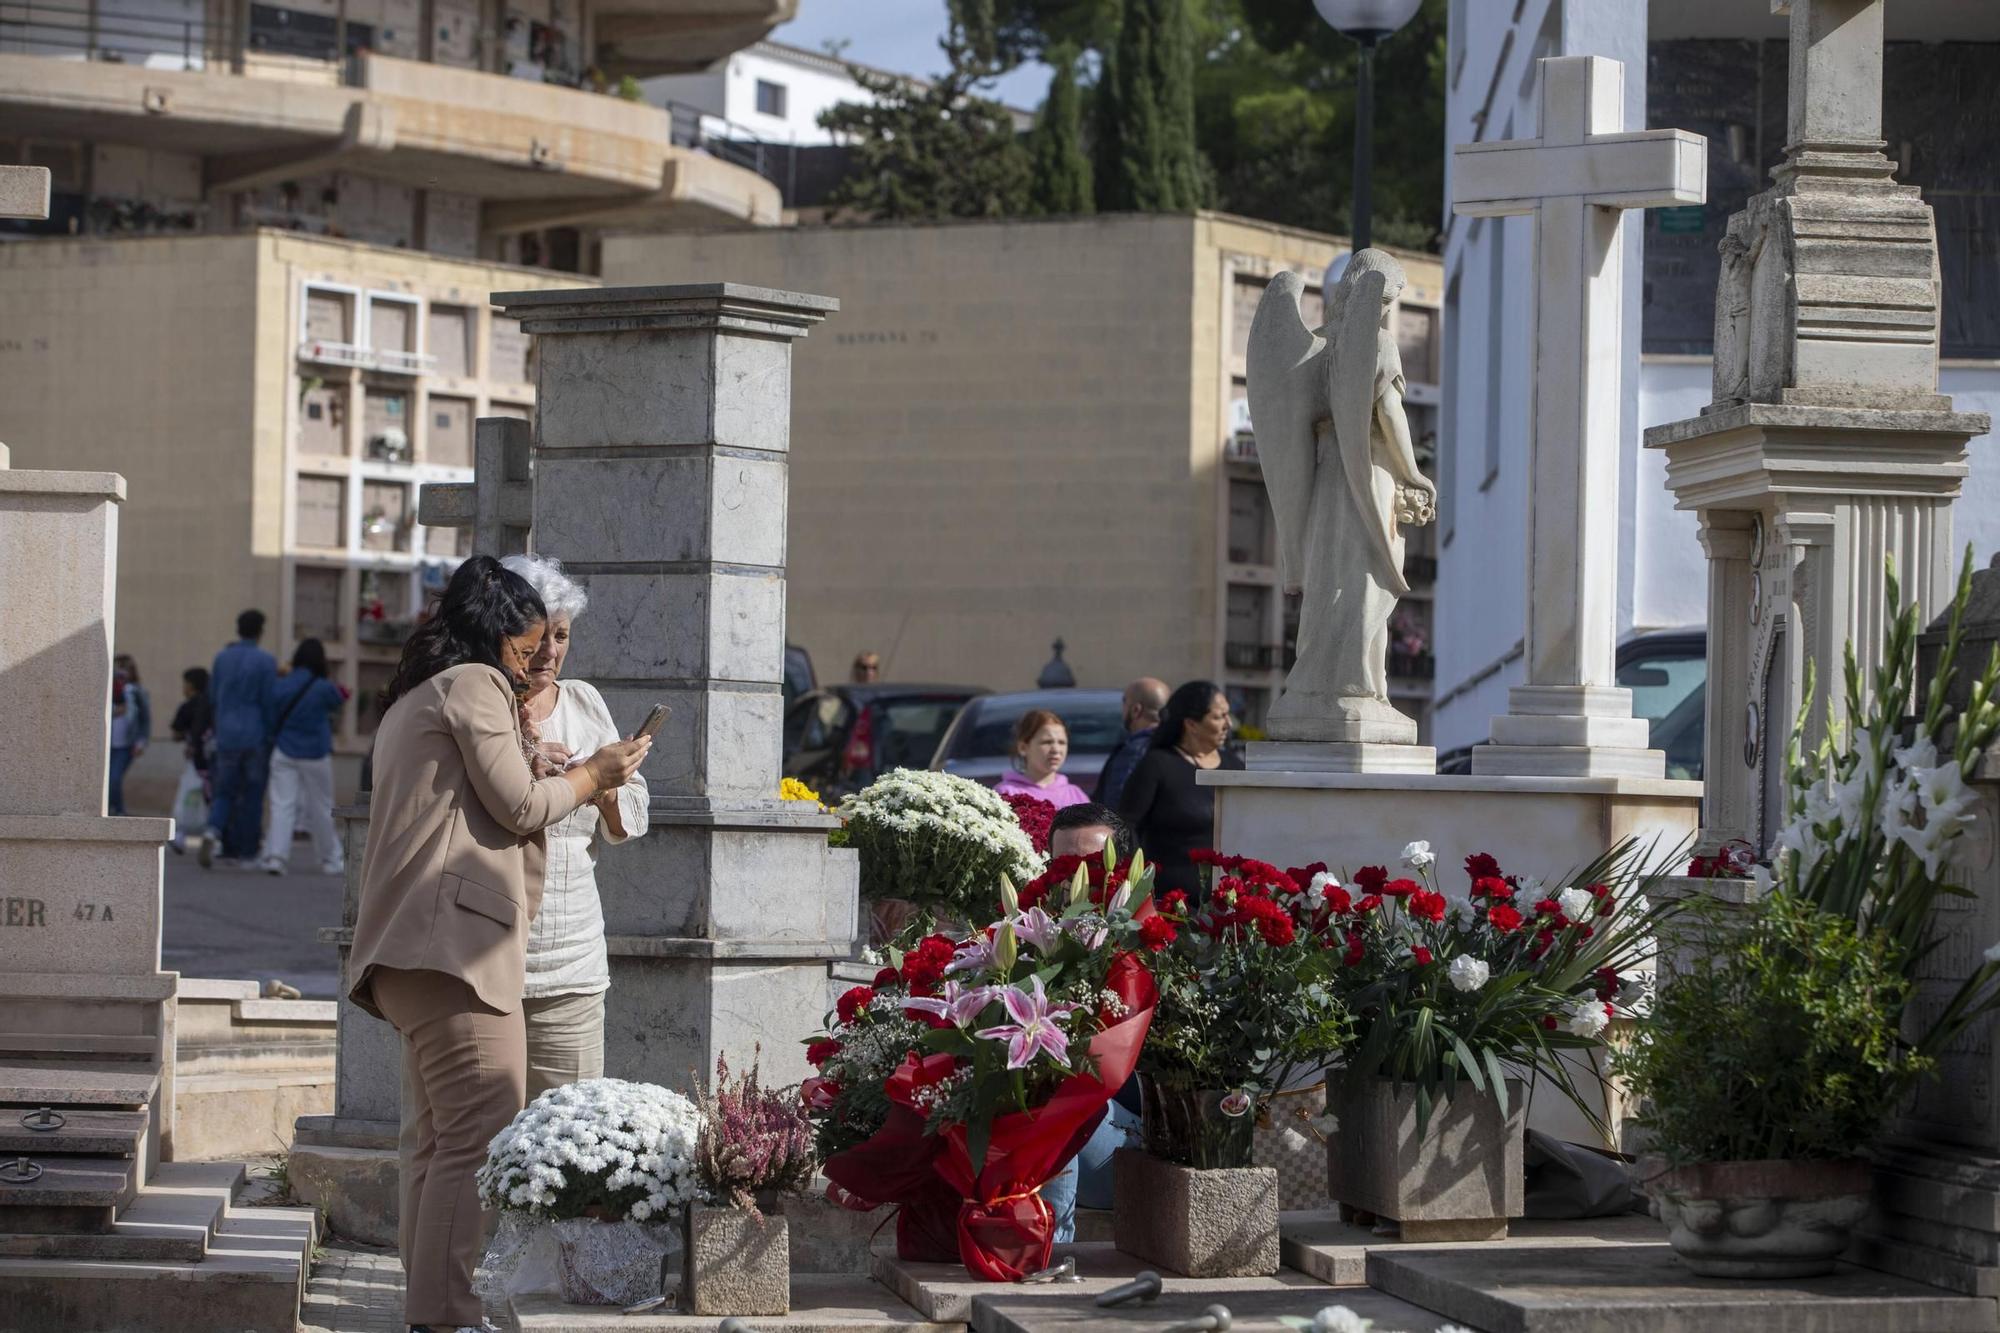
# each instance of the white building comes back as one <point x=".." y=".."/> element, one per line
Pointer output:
<point x="1718" y="68"/>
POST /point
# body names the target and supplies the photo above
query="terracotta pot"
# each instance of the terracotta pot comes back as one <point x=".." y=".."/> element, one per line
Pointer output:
<point x="1762" y="1219"/>
<point x="1461" y="1179"/>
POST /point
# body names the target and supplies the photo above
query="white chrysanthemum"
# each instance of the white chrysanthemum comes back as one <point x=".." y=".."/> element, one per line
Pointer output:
<point x="629" y="1135"/>
<point x="1468" y="973"/>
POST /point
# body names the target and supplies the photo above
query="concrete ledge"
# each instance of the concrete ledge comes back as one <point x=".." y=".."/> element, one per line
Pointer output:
<point x="1322" y="1246"/>
<point x="88" y="986"/>
<point x="1440" y="782"/>
<point x="287" y="1011"/>
<point x="35" y="481"/>
<point x="81" y="827"/>
<point x="355" y="1189"/>
<point x="946" y="1292"/>
<point x="819" y="1305"/>
<point x="1006" y="1309"/>
<point x="210" y="988"/>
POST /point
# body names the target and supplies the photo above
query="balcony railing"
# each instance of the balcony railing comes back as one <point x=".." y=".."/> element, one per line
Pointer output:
<point x="1251" y="656"/>
<point x="37" y="27"/>
<point x="1420" y="568"/>
<point x="1413" y="666"/>
<point x="403" y="363"/>
<point x="335" y="354"/>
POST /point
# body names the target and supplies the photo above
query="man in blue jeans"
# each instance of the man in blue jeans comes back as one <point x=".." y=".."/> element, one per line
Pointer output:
<point x="1082" y="830"/>
<point x="239" y="689"/>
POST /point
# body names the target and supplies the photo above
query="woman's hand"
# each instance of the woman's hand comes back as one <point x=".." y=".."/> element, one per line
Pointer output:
<point x="612" y="766"/>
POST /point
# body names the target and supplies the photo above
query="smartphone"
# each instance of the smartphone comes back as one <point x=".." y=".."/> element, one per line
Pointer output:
<point x="654" y="721"/>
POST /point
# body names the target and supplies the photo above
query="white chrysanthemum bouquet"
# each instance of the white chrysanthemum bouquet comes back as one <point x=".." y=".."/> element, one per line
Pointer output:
<point x="937" y="840"/>
<point x="601" y="1148"/>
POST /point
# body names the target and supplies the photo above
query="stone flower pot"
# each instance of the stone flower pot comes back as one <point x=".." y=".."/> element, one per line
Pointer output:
<point x="1461" y="1179"/>
<point x="1213" y="1223"/>
<point x="1192" y="1126"/>
<point x="1762" y="1219"/>
<point x="734" y="1263"/>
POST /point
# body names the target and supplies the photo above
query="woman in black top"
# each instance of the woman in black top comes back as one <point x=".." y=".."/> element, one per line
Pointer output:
<point x="1169" y="812"/>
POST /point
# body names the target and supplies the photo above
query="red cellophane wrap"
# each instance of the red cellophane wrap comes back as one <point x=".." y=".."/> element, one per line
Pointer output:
<point x="897" y="1165"/>
<point x="1005" y="1230"/>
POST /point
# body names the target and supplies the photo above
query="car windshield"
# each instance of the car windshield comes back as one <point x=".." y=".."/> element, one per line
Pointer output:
<point x="915" y="726"/>
<point x="1095" y="726"/>
<point x="1667" y="690"/>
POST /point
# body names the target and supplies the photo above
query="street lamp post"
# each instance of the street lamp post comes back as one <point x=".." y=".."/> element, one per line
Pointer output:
<point x="1367" y="22"/>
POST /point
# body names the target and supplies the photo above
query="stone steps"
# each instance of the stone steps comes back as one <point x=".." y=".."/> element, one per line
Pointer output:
<point x="175" y="1218"/>
<point x="105" y="1133"/>
<point x="101" y="1083"/>
<point x="72" y="1195"/>
<point x="80" y="1044"/>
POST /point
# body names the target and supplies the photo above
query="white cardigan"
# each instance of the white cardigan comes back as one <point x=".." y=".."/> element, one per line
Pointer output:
<point x="566" y="939"/>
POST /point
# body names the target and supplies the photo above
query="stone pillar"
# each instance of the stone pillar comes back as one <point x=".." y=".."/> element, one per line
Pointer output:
<point x="80" y="898"/>
<point x="661" y="457"/>
<point x="1727" y="796"/>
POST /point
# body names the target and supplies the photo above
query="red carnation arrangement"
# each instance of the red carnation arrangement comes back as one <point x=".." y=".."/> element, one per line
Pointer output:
<point x="1035" y="817"/>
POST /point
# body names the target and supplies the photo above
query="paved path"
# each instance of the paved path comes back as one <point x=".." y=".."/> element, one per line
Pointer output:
<point x="244" y="924"/>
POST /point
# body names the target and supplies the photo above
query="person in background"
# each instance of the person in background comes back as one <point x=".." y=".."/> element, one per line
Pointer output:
<point x="568" y="970"/>
<point x="191" y="725"/>
<point x="1083" y="830"/>
<point x="303" y="705"/>
<point x="1041" y="745"/>
<point x="450" y="882"/>
<point x="1144" y="698"/>
<point x="867" y="669"/>
<point x="1170" y="812"/>
<point x="131" y="726"/>
<point x="239" y="687"/>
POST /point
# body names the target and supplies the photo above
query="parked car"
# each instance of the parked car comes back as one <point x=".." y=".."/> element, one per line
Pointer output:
<point x="980" y="744"/>
<point x="841" y="738"/>
<point x="800" y="678"/>
<point x="1667" y="672"/>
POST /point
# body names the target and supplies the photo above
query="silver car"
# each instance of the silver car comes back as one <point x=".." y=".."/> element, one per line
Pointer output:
<point x="980" y="742"/>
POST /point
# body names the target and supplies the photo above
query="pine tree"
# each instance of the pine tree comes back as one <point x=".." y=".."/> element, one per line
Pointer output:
<point x="1062" y="183"/>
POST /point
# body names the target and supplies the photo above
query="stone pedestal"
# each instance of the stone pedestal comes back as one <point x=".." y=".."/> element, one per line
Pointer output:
<point x="662" y="447"/>
<point x="1203" y="1224"/>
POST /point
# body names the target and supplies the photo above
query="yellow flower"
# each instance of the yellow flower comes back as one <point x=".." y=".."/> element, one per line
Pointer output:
<point x="791" y="789"/>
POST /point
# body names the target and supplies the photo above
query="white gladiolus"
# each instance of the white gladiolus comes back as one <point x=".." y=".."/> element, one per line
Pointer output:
<point x="1468" y="973"/>
<point x="632" y="1135"/>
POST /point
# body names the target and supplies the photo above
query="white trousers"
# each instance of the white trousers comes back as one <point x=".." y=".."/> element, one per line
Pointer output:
<point x="302" y="794"/>
<point x="190" y="805"/>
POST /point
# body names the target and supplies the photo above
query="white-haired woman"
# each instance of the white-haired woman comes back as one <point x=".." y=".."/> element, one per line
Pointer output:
<point x="567" y="969"/>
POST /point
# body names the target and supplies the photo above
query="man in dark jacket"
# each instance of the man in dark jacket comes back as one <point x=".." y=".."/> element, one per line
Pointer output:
<point x="1144" y="698"/>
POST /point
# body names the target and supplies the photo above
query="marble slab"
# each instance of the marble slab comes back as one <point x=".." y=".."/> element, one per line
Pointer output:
<point x="1012" y="1310"/>
<point x="946" y="1292"/>
<point x="1644" y="1289"/>
<point x="820" y="1304"/>
<point x="1322" y="1246"/>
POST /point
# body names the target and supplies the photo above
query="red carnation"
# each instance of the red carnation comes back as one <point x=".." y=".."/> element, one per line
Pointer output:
<point x="1356" y="948"/>
<point x="1492" y="886"/>
<point x="1034" y="816"/>
<point x="1303" y="875"/>
<point x="1544" y="940"/>
<point x="1175" y="902"/>
<point x="853" y="1002"/>
<point x="1401" y="888"/>
<point x="1205" y="856"/>
<point x="1338" y="899"/>
<point x="1427" y="905"/>
<point x="1368" y="904"/>
<point x="819" y="1052"/>
<point x="1157" y="932"/>
<point x="1608" y="983"/>
<point x="1549" y="1022"/>
<point x="1278" y="930"/>
<point x="1480" y="866"/>
<point x="923" y="966"/>
<point x="1548" y="907"/>
<point x="888" y="976"/>
<point x="1503" y="918"/>
<point x="1422" y="955"/>
<point x="1370" y="879"/>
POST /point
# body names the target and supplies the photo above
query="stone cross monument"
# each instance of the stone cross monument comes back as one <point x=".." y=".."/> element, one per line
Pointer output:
<point x="497" y="503"/>
<point x="1577" y="179"/>
<point x="1827" y="449"/>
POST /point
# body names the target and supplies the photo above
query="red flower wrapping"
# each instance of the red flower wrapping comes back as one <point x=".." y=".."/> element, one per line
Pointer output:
<point x="896" y="1165"/>
<point x="1005" y="1230"/>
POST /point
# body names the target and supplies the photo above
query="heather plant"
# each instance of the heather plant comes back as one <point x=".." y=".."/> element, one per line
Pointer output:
<point x="754" y="1140"/>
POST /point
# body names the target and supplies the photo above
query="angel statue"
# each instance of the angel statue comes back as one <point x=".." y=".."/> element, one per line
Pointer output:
<point x="1327" y="408"/>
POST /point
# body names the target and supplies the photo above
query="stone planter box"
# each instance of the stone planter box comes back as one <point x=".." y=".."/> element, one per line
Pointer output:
<point x="1219" y="1223"/>
<point x="1461" y="1180"/>
<point x="733" y="1264"/>
<point x="1762" y="1219"/>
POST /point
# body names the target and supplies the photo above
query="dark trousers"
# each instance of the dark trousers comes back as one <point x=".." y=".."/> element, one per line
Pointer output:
<point x="237" y="814"/>
<point x="121" y="759"/>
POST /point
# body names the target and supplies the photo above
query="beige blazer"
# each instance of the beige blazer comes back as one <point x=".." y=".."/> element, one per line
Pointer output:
<point x="453" y="872"/>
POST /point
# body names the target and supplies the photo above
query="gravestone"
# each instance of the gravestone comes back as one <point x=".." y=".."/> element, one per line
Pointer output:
<point x="1570" y="718"/>
<point x="495" y="504"/>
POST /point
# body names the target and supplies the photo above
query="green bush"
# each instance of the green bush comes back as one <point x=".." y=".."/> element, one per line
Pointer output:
<point x="1781" y="1041"/>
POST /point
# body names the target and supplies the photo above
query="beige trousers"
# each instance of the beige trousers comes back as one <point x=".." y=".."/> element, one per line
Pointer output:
<point x="464" y="1076"/>
<point x="565" y="1040"/>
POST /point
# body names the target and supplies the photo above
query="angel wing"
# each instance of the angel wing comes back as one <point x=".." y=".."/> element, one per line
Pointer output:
<point x="1288" y="385"/>
<point x="1353" y="363"/>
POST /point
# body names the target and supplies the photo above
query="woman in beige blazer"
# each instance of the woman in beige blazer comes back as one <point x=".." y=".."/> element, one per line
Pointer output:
<point x="451" y="879"/>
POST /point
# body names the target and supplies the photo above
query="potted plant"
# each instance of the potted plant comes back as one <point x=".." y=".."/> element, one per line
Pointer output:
<point x="1247" y="1007"/>
<point x="1458" y="1002"/>
<point x="755" y="1145"/>
<point x="1777" y="1050"/>
<point x="1021" y="1034"/>
<point x="598" y="1171"/>
<point x="932" y="848"/>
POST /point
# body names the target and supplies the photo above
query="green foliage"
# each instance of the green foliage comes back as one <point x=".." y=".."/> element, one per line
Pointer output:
<point x="1062" y="175"/>
<point x="1778" y="1042"/>
<point x="1236" y="1013"/>
<point x="937" y="152"/>
<point x="1149" y="108"/>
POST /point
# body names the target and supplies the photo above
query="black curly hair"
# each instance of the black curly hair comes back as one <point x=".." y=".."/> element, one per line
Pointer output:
<point x="483" y="604"/>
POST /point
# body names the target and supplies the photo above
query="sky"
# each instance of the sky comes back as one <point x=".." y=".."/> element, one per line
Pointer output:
<point x="900" y="36"/>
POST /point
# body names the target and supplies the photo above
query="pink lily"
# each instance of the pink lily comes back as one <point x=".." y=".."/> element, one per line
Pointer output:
<point x="976" y="955"/>
<point x="1089" y="929"/>
<point x="960" y="1004"/>
<point x="1038" y="928"/>
<point x="1034" y="1028"/>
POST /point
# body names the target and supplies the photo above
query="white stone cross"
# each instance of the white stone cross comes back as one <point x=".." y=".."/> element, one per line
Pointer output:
<point x="1577" y="180"/>
<point x="24" y="193"/>
<point x="1834" y="96"/>
<point x="498" y="503"/>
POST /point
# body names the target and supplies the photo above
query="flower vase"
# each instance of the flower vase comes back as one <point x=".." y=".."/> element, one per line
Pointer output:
<point x="1461" y="1178"/>
<point x="736" y="1263"/>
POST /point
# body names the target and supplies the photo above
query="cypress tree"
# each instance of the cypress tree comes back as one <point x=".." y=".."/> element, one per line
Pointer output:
<point x="1155" y="163"/>
<point x="1180" y="178"/>
<point x="1062" y="183"/>
<point x="1136" y="163"/>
